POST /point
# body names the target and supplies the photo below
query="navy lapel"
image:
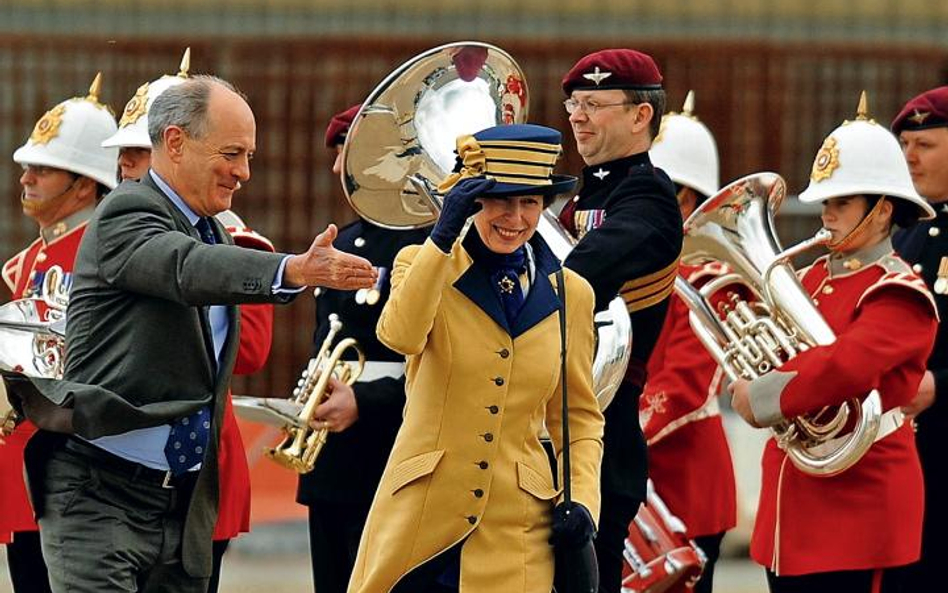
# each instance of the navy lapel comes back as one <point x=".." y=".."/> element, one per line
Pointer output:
<point x="474" y="283"/>
<point x="542" y="300"/>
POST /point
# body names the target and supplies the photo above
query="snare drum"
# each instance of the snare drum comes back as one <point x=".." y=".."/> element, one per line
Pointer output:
<point x="658" y="556"/>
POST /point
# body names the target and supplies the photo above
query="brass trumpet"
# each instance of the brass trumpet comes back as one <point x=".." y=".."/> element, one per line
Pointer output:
<point x="302" y="443"/>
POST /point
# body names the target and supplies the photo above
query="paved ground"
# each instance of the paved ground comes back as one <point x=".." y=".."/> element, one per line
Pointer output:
<point x="273" y="559"/>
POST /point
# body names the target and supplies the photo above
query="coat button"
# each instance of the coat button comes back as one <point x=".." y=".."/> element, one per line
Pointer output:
<point x="489" y="437"/>
<point x="917" y="268"/>
<point x="827" y="289"/>
<point x="504" y="353"/>
<point x="494" y="409"/>
<point x="498" y="381"/>
<point x="478" y="493"/>
<point x="472" y="519"/>
<point x="41" y="257"/>
<point x="483" y="465"/>
<point x="934" y="231"/>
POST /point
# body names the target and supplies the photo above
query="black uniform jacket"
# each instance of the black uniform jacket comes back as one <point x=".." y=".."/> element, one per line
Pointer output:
<point x="926" y="244"/>
<point x="630" y="232"/>
<point x="351" y="463"/>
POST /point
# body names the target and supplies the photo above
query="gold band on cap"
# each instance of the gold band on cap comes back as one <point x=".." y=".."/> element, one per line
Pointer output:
<point x="507" y="161"/>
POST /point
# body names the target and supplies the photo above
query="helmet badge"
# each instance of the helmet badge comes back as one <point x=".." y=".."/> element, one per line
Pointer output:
<point x="826" y="161"/>
<point x="47" y="127"/>
<point x="136" y="106"/>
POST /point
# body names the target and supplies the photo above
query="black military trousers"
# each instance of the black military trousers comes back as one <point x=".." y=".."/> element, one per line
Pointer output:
<point x="624" y="471"/>
<point x="25" y="561"/>
<point x="335" y="529"/>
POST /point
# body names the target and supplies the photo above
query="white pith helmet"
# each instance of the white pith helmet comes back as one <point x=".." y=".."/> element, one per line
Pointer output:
<point x="685" y="149"/>
<point x="861" y="157"/>
<point x="69" y="136"/>
<point x="133" y="127"/>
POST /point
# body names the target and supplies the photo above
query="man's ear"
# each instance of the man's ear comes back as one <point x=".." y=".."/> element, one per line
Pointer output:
<point x="173" y="139"/>
<point x="643" y="117"/>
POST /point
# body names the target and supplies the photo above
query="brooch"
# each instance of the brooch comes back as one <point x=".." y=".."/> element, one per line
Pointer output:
<point x="506" y="285"/>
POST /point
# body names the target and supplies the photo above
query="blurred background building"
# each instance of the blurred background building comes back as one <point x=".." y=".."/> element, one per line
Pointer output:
<point x="772" y="77"/>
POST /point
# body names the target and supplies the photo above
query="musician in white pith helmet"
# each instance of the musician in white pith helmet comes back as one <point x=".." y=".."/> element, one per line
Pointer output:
<point x="842" y="532"/>
<point x="65" y="172"/>
<point x="256" y="320"/>
<point x="678" y="409"/>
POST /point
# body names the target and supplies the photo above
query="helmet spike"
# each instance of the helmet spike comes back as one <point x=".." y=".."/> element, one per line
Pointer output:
<point x="185" y="63"/>
<point x="862" y="111"/>
<point x="689" y="105"/>
<point x="94" y="88"/>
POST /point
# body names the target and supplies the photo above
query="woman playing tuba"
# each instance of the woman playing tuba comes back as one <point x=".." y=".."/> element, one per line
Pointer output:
<point x="885" y="320"/>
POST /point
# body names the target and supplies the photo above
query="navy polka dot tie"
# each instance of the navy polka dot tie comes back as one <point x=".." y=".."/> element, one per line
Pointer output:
<point x="187" y="441"/>
<point x="188" y="438"/>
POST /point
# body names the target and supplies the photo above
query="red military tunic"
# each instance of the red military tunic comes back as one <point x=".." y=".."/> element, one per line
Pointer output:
<point x="256" y="334"/>
<point x="688" y="456"/>
<point x="869" y="516"/>
<point x="23" y="274"/>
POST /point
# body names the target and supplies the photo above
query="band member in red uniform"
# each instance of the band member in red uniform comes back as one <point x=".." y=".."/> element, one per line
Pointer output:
<point x="922" y="127"/>
<point x="841" y="533"/>
<point x="256" y="320"/>
<point x="629" y="231"/>
<point x="679" y="410"/>
<point x="65" y="171"/>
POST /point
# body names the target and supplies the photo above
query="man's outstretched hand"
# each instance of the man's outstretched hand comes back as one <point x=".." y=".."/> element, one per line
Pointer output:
<point x="324" y="265"/>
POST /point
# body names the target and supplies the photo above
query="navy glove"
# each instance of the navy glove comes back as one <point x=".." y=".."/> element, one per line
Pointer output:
<point x="573" y="526"/>
<point x="458" y="206"/>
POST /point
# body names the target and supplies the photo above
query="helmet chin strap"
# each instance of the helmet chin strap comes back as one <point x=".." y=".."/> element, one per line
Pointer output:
<point x="843" y="244"/>
<point x="52" y="199"/>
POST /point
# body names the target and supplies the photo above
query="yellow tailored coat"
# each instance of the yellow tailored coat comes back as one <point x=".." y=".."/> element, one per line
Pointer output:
<point x="467" y="464"/>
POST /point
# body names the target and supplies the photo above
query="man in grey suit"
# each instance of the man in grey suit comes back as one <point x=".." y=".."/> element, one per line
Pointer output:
<point x="124" y="470"/>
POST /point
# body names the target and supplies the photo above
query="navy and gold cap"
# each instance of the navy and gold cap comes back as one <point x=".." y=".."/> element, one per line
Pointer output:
<point x="608" y="69"/>
<point x="520" y="157"/>
<point x="339" y="126"/>
<point x="928" y="110"/>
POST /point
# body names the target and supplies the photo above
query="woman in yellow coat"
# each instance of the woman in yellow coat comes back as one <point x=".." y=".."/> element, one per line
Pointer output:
<point x="467" y="498"/>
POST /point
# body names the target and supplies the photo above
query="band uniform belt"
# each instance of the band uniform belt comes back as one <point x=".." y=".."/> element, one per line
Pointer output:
<point x="381" y="370"/>
<point x="888" y="423"/>
<point x="129" y="469"/>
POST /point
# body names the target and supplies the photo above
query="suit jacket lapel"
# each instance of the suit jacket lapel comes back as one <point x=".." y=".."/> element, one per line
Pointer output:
<point x="222" y="237"/>
<point x="474" y="283"/>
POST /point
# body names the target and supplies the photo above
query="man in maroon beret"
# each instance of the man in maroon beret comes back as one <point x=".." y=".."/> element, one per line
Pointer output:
<point x="629" y="228"/>
<point x="922" y="128"/>
<point x="363" y="419"/>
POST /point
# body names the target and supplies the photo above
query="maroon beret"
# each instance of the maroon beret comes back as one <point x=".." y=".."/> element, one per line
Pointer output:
<point x="339" y="126"/>
<point x="928" y="110"/>
<point x="613" y="69"/>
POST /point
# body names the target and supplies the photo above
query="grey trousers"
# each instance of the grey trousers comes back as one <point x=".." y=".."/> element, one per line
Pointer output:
<point x="105" y="529"/>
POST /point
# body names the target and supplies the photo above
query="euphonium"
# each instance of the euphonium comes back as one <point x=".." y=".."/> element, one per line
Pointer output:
<point x="770" y="319"/>
<point x="405" y="135"/>
<point x="302" y="443"/>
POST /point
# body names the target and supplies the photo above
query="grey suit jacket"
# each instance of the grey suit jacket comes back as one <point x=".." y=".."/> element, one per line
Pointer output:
<point x="139" y="350"/>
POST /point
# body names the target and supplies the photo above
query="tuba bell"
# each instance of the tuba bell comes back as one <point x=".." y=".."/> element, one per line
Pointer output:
<point x="405" y="135"/>
<point x="32" y="339"/>
<point x="766" y="317"/>
<point x="302" y="443"/>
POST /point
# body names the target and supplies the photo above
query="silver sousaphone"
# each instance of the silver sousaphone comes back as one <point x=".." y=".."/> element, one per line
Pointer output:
<point x="404" y="138"/>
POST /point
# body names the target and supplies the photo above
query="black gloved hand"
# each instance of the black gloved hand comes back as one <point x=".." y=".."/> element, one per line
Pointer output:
<point x="573" y="526"/>
<point x="459" y="204"/>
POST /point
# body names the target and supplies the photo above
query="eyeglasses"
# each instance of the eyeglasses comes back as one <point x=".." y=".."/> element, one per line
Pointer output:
<point x="589" y="107"/>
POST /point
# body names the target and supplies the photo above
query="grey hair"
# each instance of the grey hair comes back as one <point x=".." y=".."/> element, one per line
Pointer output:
<point x="184" y="105"/>
<point x="655" y="98"/>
